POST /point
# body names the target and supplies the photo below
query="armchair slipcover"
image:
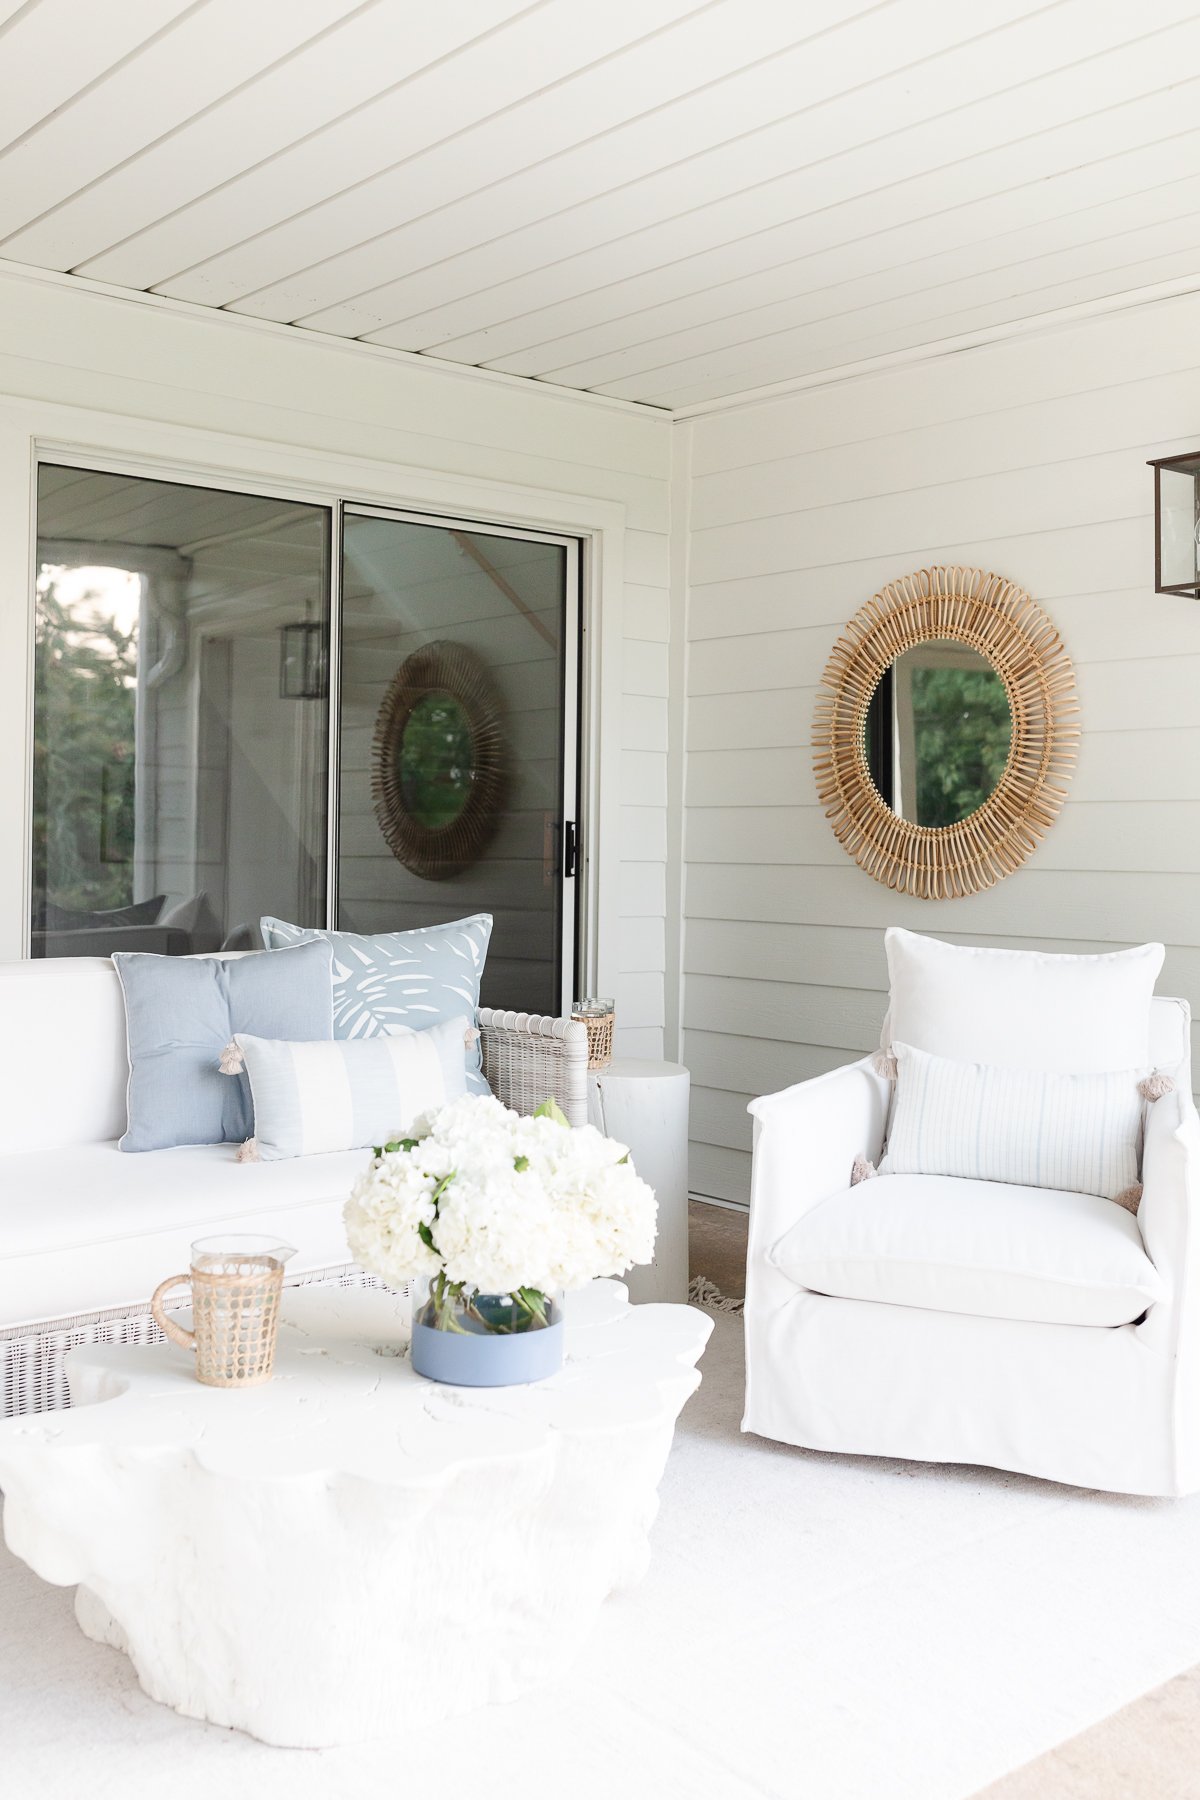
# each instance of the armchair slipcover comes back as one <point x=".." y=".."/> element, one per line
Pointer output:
<point x="1112" y="1406"/>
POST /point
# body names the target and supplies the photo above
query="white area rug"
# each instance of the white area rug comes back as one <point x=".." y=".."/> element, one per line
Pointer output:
<point x="812" y="1628"/>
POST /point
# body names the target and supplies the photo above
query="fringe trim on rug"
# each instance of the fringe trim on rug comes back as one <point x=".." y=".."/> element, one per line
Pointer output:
<point x="703" y="1292"/>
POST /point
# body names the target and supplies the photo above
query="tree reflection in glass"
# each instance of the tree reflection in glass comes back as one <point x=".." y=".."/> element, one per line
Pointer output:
<point x="938" y="733"/>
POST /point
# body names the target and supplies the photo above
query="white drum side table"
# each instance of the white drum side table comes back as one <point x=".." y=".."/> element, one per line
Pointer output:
<point x="645" y="1105"/>
<point x="350" y="1548"/>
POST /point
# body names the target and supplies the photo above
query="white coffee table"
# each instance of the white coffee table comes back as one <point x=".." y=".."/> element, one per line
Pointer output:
<point x="351" y="1548"/>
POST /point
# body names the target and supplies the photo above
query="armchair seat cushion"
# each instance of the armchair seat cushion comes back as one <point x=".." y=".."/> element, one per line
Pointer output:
<point x="984" y="1248"/>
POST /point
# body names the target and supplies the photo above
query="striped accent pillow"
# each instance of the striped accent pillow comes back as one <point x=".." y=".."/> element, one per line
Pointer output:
<point x="1027" y="1127"/>
<point x="315" y="1097"/>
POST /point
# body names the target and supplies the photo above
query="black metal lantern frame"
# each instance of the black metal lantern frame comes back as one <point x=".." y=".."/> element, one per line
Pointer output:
<point x="1177" y="524"/>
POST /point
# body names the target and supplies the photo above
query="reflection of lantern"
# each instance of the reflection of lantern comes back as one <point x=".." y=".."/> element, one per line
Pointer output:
<point x="303" y="667"/>
<point x="1177" y="524"/>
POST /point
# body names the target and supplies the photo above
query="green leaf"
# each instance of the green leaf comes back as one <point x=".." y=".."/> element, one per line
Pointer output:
<point x="520" y="1164"/>
<point x="426" y="1237"/>
<point x="550" y="1109"/>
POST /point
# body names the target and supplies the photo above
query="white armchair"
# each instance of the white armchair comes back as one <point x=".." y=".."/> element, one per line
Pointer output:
<point x="1017" y="1381"/>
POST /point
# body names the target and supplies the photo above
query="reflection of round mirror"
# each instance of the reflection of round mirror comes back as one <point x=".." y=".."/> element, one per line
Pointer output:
<point x="938" y="733"/>
<point x="438" y="776"/>
<point x="435" y="761"/>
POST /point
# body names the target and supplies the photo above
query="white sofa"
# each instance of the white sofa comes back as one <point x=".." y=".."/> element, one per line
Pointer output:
<point x="87" y="1231"/>
<point x="843" y="1355"/>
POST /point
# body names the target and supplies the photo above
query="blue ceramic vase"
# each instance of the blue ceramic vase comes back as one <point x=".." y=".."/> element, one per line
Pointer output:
<point x="476" y="1345"/>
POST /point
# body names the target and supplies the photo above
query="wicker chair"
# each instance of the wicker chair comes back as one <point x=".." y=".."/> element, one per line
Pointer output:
<point x="526" y="1058"/>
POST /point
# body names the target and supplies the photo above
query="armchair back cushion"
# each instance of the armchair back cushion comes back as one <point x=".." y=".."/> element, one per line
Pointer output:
<point x="1080" y="1132"/>
<point x="1021" y="1009"/>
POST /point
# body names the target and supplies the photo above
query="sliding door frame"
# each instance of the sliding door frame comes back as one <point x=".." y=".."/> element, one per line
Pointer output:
<point x="32" y="432"/>
<point x="571" y="889"/>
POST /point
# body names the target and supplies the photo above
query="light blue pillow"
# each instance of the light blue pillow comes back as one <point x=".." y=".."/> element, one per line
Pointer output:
<point x="310" y="1099"/>
<point x="400" y="980"/>
<point x="182" y="1011"/>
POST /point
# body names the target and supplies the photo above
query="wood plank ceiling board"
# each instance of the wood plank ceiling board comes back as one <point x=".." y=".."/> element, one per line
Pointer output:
<point x="669" y="202"/>
<point x="565" y="136"/>
<point x="840" y="165"/>
<point x="209" y="49"/>
<point x="142" y="221"/>
<point x="721" y="143"/>
<point x="270" y="236"/>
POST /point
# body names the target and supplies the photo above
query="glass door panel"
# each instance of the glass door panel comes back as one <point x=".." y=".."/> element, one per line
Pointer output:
<point x="457" y="742"/>
<point x="180" y="786"/>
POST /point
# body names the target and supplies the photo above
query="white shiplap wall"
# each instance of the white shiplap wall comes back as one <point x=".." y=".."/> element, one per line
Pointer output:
<point x="1028" y="458"/>
<point x="126" y="378"/>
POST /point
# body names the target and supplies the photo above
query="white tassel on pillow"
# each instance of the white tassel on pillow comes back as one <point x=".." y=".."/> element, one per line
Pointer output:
<point x="885" y="1065"/>
<point x="232" y="1061"/>
<point x="1156" y="1086"/>
<point x="861" y="1170"/>
<point x="248" y="1152"/>
<point x="1129" y="1197"/>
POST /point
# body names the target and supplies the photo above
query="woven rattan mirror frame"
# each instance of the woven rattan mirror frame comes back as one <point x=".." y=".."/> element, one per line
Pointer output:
<point x="1001" y="622"/>
<point x="443" y="669"/>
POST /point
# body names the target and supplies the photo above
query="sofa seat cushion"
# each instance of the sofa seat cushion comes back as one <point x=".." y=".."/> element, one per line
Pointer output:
<point x="86" y="1228"/>
<point x="983" y="1248"/>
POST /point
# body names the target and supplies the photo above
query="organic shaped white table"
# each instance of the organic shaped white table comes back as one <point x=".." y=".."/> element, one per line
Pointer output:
<point x="351" y="1548"/>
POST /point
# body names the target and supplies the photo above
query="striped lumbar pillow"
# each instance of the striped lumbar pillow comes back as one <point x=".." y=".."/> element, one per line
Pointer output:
<point x="316" y="1097"/>
<point x="1023" y="1126"/>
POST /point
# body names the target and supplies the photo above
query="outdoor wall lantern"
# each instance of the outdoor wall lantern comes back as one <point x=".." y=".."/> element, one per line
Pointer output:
<point x="303" y="665"/>
<point x="1177" y="524"/>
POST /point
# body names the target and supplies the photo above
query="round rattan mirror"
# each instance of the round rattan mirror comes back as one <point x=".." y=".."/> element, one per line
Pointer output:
<point x="437" y="766"/>
<point x="946" y="732"/>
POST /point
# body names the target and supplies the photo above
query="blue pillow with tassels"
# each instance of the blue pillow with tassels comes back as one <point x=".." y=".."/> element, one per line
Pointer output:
<point x="182" y="1013"/>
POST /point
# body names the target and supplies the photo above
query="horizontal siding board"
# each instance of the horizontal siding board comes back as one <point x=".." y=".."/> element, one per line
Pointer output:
<point x="720" y="1174"/>
<point x="1100" y="836"/>
<point x="643" y="778"/>
<point x="1125" y="908"/>
<point x="839" y="1018"/>
<point x="755" y="1065"/>
<point x="1113" y="351"/>
<point x="719" y="1116"/>
<point x="641" y="1041"/>
<point x="642" y="889"/>
<point x="853" y="956"/>
<point x="1096" y="559"/>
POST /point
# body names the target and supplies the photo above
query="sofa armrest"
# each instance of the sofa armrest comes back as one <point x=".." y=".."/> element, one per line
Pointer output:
<point x="528" y="1058"/>
<point x="805" y="1142"/>
<point x="1170" y="1192"/>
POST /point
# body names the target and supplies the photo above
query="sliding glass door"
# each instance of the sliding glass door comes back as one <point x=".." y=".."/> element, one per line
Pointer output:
<point x="457" y="735"/>
<point x="194" y="762"/>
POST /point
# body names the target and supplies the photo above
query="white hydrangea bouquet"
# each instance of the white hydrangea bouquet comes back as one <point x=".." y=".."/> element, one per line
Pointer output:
<point x="496" y="1213"/>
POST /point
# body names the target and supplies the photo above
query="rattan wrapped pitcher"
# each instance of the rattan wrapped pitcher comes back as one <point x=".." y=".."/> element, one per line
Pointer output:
<point x="236" y="1285"/>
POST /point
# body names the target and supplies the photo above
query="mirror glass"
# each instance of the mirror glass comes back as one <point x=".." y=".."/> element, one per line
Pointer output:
<point x="435" y="760"/>
<point x="938" y="733"/>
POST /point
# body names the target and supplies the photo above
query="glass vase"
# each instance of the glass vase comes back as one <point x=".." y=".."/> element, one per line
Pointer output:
<point x="470" y="1339"/>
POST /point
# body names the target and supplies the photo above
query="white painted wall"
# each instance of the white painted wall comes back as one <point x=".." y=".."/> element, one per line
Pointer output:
<point x="165" y="389"/>
<point x="1027" y="457"/>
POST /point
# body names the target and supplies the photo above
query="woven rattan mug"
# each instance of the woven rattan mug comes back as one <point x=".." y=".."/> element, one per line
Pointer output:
<point x="236" y="1284"/>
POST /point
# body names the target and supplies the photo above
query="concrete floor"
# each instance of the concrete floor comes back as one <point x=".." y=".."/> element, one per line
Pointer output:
<point x="1150" y="1750"/>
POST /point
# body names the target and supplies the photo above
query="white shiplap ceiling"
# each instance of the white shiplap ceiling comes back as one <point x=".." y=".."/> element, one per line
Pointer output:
<point x="653" y="199"/>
